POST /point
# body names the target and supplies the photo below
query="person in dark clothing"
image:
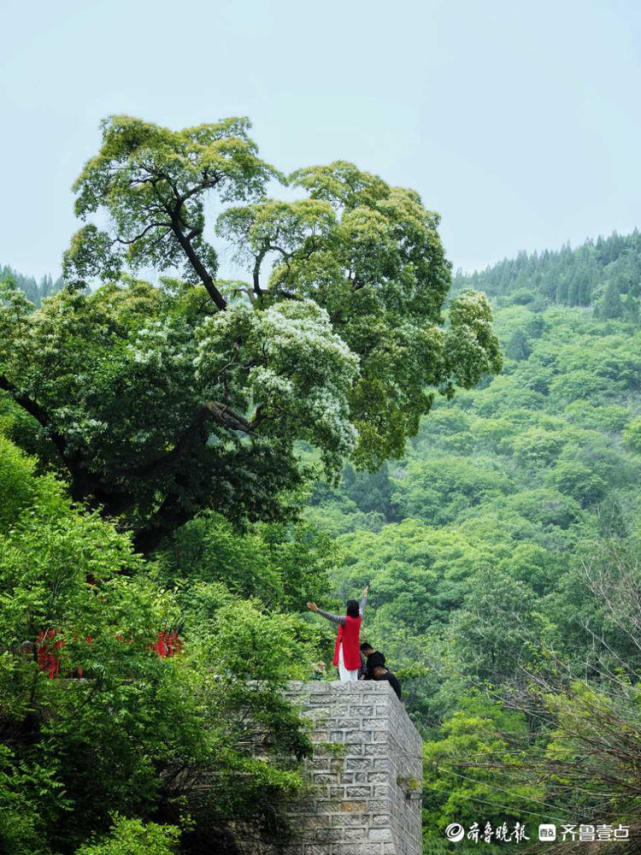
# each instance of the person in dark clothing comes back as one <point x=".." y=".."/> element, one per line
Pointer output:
<point x="379" y="672"/>
<point x="369" y="657"/>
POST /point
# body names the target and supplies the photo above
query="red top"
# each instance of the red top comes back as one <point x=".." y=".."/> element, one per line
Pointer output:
<point x="349" y="635"/>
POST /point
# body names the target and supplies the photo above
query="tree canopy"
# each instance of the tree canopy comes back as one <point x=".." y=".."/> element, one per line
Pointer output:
<point x="194" y="392"/>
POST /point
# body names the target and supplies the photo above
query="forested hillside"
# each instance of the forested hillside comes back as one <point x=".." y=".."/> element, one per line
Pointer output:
<point x="605" y="273"/>
<point x="157" y="444"/>
<point x="503" y="556"/>
<point x="35" y="290"/>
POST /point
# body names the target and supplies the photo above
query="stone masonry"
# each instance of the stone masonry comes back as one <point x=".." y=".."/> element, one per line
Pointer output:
<point x="364" y="775"/>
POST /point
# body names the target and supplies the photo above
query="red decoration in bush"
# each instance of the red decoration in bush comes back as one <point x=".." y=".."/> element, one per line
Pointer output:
<point x="167" y="644"/>
<point x="47" y="659"/>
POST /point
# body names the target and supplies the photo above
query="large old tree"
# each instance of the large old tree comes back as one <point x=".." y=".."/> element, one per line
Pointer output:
<point x="195" y="392"/>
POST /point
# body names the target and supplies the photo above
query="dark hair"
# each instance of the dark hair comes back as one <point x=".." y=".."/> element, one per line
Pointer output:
<point x="352" y="608"/>
<point x="366" y="646"/>
<point x="375" y="660"/>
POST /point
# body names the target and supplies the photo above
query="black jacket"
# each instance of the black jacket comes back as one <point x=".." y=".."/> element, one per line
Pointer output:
<point x="392" y="679"/>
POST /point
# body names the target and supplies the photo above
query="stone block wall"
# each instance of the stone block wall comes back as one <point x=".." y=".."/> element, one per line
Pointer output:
<point x="364" y="776"/>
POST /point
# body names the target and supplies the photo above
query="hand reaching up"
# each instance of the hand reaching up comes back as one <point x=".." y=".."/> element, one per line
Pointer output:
<point x="312" y="606"/>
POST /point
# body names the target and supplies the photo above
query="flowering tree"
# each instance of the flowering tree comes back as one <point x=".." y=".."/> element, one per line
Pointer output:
<point x="165" y="400"/>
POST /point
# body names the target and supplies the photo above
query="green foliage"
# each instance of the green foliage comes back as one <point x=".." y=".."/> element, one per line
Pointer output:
<point x="632" y="435"/>
<point x="538" y="447"/>
<point x="545" y="507"/>
<point x="506" y="565"/>
<point x="518" y="346"/>
<point x="472" y="771"/>
<point x="185" y="419"/>
<point x="27" y="791"/>
<point x="606" y="273"/>
<point x="438" y="491"/>
<point x="16" y="483"/>
<point x="371" y="491"/>
<point x="281" y="564"/>
<point x="595" y="743"/>
<point x="133" y="837"/>
<point x="162" y="402"/>
<point x="35" y="291"/>
<point x="579" y="481"/>
<point x="137" y="734"/>
<point x="489" y="632"/>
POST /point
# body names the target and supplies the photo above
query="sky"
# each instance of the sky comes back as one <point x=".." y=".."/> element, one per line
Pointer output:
<point x="518" y="122"/>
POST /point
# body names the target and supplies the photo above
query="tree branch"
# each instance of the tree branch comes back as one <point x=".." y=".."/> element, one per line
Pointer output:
<point x="221" y="413"/>
<point x="208" y="183"/>
<point x="142" y="233"/>
<point x="196" y="263"/>
<point x="39" y="413"/>
<point x="170" y="516"/>
<point x="184" y="240"/>
<point x="256" y="272"/>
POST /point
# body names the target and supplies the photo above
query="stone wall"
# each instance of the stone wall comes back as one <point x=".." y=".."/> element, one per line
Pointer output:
<point x="364" y="776"/>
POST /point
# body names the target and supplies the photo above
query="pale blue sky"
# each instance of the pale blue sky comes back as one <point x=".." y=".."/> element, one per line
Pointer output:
<point x="519" y="122"/>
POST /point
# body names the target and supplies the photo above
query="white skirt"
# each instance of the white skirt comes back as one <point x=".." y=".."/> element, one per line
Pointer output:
<point x="346" y="675"/>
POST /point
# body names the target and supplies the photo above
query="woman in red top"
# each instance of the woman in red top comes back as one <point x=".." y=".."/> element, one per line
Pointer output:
<point x="347" y="653"/>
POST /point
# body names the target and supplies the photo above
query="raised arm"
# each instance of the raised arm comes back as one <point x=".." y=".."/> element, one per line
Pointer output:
<point x="334" y="618"/>
<point x="361" y="608"/>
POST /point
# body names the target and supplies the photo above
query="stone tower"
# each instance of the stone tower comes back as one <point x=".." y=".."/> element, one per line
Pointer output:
<point x="364" y="776"/>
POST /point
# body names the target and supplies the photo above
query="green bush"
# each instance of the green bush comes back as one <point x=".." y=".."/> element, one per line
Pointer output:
<point x="133" y="837"/>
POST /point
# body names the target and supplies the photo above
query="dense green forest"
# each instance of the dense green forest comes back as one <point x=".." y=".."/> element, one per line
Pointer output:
<point x="35" y="291"/>
<point x="605" y="275"/>
<point x="503" y="554"/>
<point x="198" y="457"/>
<point x="157" y="445"/>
